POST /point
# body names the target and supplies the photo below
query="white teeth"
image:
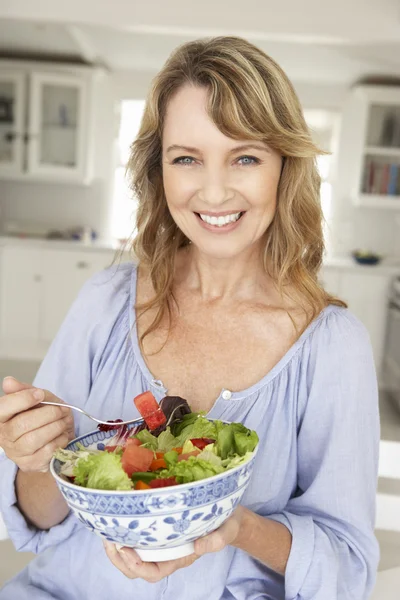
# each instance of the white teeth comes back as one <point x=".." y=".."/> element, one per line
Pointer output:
<point x="220" y="221"/>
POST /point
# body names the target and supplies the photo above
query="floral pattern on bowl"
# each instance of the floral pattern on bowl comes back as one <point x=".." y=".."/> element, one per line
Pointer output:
<point x="162" y="523"/>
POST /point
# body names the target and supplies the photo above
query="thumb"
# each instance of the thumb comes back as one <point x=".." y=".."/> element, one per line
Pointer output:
<point x="12" y="385"/>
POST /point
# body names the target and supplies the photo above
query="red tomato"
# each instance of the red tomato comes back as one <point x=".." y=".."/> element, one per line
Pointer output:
<point x="201" y="443"/>
<point x="150" y="410"/>
<point x="158" y="483"/>
<point x="188" y="454"/>
<point x="136" y="458"/>
<point x="133" y="442"/>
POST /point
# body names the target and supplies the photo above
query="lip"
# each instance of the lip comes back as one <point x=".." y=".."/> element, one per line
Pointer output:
<point x="218" y="214"/>
<point x="215" y="228"/>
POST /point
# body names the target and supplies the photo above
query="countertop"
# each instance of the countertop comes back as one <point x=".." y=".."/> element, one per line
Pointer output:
<point x="100" y="245"/>
<point x="388" y="266"/>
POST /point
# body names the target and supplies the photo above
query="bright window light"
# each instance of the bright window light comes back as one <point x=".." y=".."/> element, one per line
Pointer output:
<point x="124" y="203"/>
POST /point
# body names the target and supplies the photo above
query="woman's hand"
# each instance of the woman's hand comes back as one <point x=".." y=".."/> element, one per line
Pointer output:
<point x="129" y="562"/>
<point x="29" y="434"/>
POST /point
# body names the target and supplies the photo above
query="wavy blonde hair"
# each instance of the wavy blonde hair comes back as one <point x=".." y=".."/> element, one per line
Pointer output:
<point x="250" y="97"/>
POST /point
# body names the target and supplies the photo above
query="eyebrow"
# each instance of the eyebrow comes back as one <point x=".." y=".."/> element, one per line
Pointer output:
<point x="241" y="148"/>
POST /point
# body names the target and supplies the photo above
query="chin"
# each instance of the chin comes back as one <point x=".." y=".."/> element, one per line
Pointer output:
<point x="221" y="250"/>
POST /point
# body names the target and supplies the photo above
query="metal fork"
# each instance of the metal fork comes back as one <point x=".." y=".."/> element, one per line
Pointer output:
<point x="137" y="420"/>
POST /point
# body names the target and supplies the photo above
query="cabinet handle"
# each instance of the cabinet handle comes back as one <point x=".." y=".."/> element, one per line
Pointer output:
<point x="82" y="264"/>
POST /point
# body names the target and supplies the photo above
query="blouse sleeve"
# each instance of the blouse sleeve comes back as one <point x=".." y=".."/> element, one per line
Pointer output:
<point x="68" y="371"/>
<point x="334" y="553"/>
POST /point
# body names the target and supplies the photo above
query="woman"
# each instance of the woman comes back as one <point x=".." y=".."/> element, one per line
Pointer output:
<point x="230" y="315"/>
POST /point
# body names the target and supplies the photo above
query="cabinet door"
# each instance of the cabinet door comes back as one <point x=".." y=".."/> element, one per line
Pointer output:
<point x="65" y="274"/>
<point x="330" y="279"/>
<point x="21" y="294"/>
<point x="58" y="126"/>
<point x="12" y="100"/>
<point x="367" y="297"/>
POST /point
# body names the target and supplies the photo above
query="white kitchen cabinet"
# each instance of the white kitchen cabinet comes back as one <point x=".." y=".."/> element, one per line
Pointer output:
<point x="65" y="272"/>
<point x="45" y="122"/>
<point x="366" y="294"/>
<point x="21" y="294"/>
<point x="330" y="280"/>
<point x="38" y="286"/>
<point x="373" y="113"/>
<point x="12" y="112"/>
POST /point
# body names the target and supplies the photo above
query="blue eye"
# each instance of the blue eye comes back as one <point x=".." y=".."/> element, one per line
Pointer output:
<point x="249" y="160"/>
<point x="183" y="160"/>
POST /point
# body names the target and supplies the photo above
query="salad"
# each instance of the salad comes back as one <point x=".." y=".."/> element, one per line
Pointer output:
<point x="173" y="446"/>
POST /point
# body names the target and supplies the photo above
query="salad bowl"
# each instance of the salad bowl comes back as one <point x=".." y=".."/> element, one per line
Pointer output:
<point x="162" y="523"/>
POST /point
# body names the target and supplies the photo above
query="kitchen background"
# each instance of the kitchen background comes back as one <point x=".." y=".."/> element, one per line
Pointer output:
<point x="73" y="78"/>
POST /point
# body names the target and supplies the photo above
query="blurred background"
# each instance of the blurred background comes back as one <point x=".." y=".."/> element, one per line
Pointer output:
<point x="73" y="78"/>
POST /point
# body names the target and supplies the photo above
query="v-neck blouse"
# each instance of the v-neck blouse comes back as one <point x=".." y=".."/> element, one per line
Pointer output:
<point x="316" y="414"/>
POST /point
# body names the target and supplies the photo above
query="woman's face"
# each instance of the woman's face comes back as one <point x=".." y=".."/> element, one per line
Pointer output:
<point x="221" y="192"/>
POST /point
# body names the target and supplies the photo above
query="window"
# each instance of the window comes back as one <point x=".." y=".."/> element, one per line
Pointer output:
<point x="324" y="126"/>
<point x="124" y="203"/>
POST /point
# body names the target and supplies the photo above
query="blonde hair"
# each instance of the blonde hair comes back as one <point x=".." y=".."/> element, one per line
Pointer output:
<point x="250" y="97"/>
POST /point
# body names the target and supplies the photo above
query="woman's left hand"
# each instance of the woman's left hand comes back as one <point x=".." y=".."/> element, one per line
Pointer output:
<point x="128" y="561"/>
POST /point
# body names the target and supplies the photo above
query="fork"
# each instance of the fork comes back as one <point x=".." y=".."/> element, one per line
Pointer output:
<point x="137" y="420"/>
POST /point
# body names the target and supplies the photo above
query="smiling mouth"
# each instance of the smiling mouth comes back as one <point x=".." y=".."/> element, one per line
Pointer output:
<point x="220" y="221"/>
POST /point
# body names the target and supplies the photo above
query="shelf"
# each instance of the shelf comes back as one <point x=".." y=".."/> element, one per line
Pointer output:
<point x="382" y="151"/>
<point x="50" y="127"/>
<point x="378" y="201"/>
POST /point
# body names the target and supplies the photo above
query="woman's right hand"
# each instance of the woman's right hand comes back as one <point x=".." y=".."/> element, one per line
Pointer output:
<point x="29" y="434"/>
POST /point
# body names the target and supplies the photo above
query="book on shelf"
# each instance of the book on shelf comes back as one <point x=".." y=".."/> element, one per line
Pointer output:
<point x="380" y="178"/>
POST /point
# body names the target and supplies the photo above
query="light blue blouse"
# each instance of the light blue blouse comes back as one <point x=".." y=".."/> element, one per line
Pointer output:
<point x="316" y="413"/>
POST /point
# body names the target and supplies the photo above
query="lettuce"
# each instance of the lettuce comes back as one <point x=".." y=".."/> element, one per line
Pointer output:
<point x="234" y="439"/>
<point x="148" y="439"/>
<point x="102" y="471"/>
<point x="192" y="469"/>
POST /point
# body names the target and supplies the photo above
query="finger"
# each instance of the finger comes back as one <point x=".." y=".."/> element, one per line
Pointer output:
<point x="32" y="420"/>
<point x="116" y="559"/>
<point x="13" y="404"/>
<point x="11" y="385"/>
<point x="216" y="541"/>
<point x="150" y="571"/>
<point x="33" y="441"/>
<point x="40" y="460"/>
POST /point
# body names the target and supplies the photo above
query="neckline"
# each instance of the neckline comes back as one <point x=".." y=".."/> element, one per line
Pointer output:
<point x="276" y="369"/>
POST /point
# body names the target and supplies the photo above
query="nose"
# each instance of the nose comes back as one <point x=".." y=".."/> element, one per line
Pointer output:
<point x="214" y="189"/>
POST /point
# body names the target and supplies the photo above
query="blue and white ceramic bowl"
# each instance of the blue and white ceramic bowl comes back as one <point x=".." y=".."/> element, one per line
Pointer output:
<point x="161" y="524"/>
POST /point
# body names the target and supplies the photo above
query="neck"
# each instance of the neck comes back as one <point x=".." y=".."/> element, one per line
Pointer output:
<point x="222" y="279"/>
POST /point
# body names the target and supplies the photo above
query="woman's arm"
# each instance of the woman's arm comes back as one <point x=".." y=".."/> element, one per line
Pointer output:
<point x="39" y="499"/>
<point x="252" y="535"/>
<point x="333" y="553"/>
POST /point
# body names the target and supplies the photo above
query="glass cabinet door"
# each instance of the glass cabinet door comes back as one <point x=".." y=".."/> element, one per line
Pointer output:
<point x="57" y="125"/>
<point x="12" y="90"/>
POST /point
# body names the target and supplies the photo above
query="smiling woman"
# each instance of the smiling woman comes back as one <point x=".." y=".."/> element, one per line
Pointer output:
<point x="224" y="309"/>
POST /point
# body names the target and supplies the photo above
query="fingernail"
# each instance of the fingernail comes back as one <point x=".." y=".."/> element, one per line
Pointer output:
<point x="9" y="377"/>
<point x="38" y="394"/>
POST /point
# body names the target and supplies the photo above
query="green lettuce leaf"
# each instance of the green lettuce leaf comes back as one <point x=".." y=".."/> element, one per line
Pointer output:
<point x="234" y="438"/>
<point x="166" y="441"/>
<point x="102" y="471"/>
<point x="230" y="463"/>
<point x="148" y="439"/>
<point x="192" y="469"/>
<point x="197" y="428"/>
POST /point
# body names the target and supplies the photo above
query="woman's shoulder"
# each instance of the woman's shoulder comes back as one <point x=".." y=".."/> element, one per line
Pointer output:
<point x="111" y="281"/>
<point x="337" y="329"/>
